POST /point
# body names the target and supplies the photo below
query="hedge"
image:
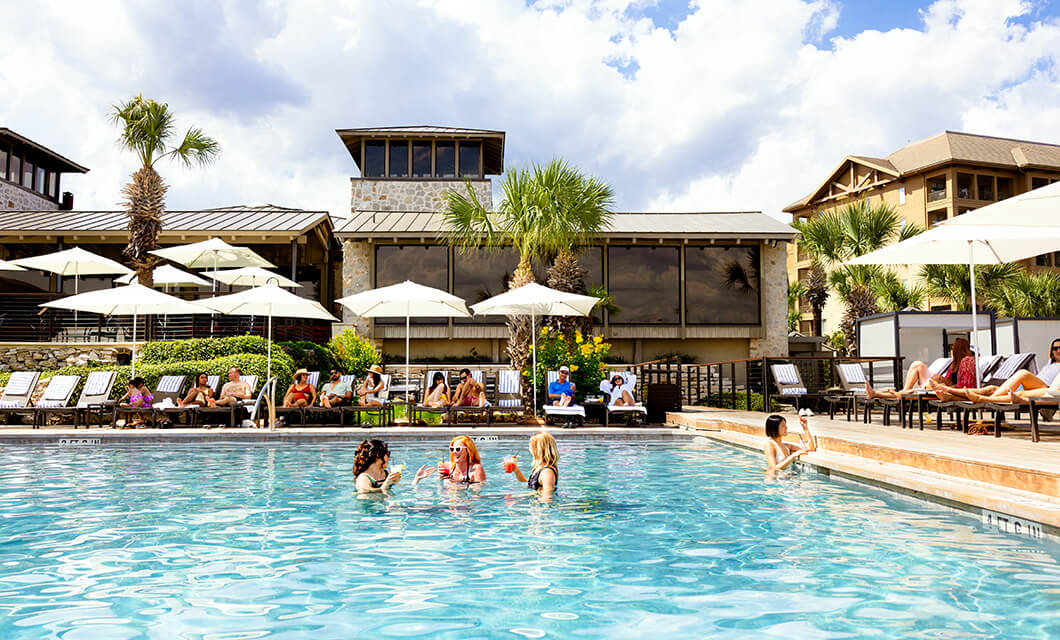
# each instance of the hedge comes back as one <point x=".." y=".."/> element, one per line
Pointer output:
<point x="724" y="401"/>
<point x="200" y="349"/>
<point x="310" y="356"/>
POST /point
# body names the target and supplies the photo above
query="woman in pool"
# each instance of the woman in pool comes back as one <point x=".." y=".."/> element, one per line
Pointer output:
<point x="779" y="454"/>
<point x="370" y="471"/>
<point x="465" y="464"/>
<point x="438" y="394"/>
<point x="544" y="475"/>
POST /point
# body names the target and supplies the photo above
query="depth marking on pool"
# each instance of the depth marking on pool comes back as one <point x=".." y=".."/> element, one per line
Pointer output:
<point x="79" y="442"/>
<point x="1008" y="524"/>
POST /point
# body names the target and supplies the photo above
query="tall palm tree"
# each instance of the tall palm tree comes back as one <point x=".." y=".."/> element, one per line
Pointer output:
<point x="953" y="283"/>
<point x="894" y="295"/>
<point x="817" y="294"/>
<point x="147" y="129"/>
<point x="1026" y="295"/>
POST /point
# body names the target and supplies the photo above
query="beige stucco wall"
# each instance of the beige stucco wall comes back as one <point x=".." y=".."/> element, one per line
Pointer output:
<point x="12" y="197"/>
<point x="774" y="277"/>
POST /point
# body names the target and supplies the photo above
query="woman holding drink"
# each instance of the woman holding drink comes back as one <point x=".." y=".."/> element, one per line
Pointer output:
<point x="371" y="471"/>
<point x="465" y="463"/>
<point x="544" y="475"/>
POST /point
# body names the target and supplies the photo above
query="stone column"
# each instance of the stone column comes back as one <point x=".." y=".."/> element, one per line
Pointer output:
<point x="356" y="277"/>
<point x="774" y="275"/>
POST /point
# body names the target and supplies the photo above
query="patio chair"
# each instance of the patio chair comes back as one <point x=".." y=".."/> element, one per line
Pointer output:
<point x="311" y="379"/>
<point x="208" y="415"/>
<point x="1003" y="372"/>
<point x="319" y="410"/>
<point x="57" y="394"/>
<point x="18" y="392"/>
<point x="455" y="411"/>
<point x="95" y="394"/>
<point x="416" y="411"/>
<point x="509" y="397"/>
<point x="852" y="388"/>
<point x="630" y="412"/>
<point x="167" y="391"/>
<point x="987" y="364"/>
<point x="571" y="413"/>
<point x="188" y="412"/>
<point x="789" y="382"/>
<point x="383" y="411"/>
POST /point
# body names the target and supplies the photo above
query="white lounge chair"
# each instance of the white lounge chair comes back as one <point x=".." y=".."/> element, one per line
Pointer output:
<point x="629" y="385"/>
<point x="570" y="413"/>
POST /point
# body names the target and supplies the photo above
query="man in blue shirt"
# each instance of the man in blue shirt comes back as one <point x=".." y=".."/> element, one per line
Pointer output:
<point x="561" y="392"/>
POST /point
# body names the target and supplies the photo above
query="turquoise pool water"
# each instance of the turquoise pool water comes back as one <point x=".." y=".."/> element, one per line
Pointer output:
<point x="644" y="540"/>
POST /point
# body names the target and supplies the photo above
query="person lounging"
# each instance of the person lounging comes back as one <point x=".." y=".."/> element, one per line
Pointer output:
<point x="561" y="391"/>
<point x="335" y="392"/>
<point x="920" y="377"/>
<point x="199" y="394"/>
<point x="370" y="392"/>
<point x="470" y="392"/>
<point x="137" y="395"/>
<point x="438" y="392"/>
<point x="544" y="474"/>
<point x="1033" y="385"/>
<point x="300" y="393"/>
<point x="780" y="454"/>
<point x="618" y="395"/>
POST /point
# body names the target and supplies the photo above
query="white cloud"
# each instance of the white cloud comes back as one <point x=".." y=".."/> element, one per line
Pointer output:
<point x="741" y="106"/>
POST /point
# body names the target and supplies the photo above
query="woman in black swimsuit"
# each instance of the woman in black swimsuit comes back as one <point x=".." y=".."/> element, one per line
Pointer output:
<point x="370" y="471"/>
<point x="544" y="475"/>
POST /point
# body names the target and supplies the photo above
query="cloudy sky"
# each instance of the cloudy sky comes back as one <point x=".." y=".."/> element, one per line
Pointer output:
<point x="682" y="106"/>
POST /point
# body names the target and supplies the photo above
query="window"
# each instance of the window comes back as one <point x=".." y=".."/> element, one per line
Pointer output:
<point x="1004" y="188"/>
<point x="1039" y="182"/>
<point x="986" y="187"/>
<point x="901" y="195"/>
<point x="374" y="159"/>
<point x="721" y="285"/>
<point x="399" y="159"/>
<point x="469" y="166"/>
<point x="645" y="284"/>
<point x="421" y="159"/>
<point x="936" y="188"/>
<point x="27" y="174"/>
<point x="1056" y="258"/>
<point x="940" y="307"/>
<point x="53" y="184"/>
<point x="963" y="210"/>
<point x="3" y="163"/>
<point x="964" y="185"/>
<point x="40" y="184"/>
<point x="592" y="260"/>
<point x="482" y="274"/>
<point x="15" y="175"/>
<point x="445" y="160"/>
<point x="937" y="216"/>
<point x="1042" y="260"/>
<point x="425" y="264"/>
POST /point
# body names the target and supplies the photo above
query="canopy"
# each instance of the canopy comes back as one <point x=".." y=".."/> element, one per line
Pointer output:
<point x="212" y="254"/>
<point x="9" y="266"/>
<point x="74" y="262"/>
<point x="167" y="275"/>
<point x="252" y="277"/>
<point x="406" y="299"/>
<point x="131" y="300"/>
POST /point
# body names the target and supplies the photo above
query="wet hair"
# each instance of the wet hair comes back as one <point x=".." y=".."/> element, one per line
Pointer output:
<point x="438" y="377"/>
<point x="773" y="423"/>
<point x="1051" y="358"/>
<point x="368" y="452"/>
<point x="543" y="448"/>
<point x="137" y="382"/>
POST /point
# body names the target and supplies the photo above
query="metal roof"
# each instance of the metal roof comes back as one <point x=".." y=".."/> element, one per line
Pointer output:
<point x="268" y="219"/>
<point x="492" y="141"/>
<point x="736" y="224"/>
<point x="65" y="165"/>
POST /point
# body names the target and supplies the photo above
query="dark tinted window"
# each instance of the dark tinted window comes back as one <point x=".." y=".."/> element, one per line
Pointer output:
<point x="16" y="170"/>
<point x="592" y="260"/>
<point x="423" y="264"/>
<point x="374" y="159"/>
<point x="722" y="285"/>
<point x="469" y="160"/>
<point x="483" y="274"/>
<point x="644" y="282"/>
<point x="986" y="187"/>
<point x="421" y="159"/>
<point x="3" y="163"/>
<point x="1004" y="188"/>
<point x="964" y="185"/>
<point x="40" y="184"/>
<point x="1039" y="182"/>
<point x="445" y="159"/>
<point x="399" y="159"/>
<point x="1042" y="260"/>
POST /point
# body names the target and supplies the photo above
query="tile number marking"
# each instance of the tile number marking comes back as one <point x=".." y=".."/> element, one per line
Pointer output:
<point x="1009" y="524"/>
<point x="78" y="442"/>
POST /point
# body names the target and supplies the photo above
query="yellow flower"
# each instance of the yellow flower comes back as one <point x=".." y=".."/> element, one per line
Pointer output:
<point x="578" y="337"/>
<point x="544" y="330"/>
<point x="574" y="367"/>
<point x="598" y="339"/>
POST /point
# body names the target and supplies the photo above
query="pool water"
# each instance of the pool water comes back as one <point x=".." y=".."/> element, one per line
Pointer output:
<point x="644" y="540"/>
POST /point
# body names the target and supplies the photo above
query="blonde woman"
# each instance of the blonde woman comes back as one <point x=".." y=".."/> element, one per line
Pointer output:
<point x="544" y="475"/>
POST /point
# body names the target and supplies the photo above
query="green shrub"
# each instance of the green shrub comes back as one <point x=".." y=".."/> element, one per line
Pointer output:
<point x="310" y="356"/>
<point x="725" y="401"/>
<point x="353" y="353"/>
<point x="200" y="349"/>
<point x="583" y="354"/>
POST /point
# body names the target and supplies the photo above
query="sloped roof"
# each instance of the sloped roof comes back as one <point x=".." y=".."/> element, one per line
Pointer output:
<point x="62" y="163"/>
<point x="735" y="224"/>
<point x="492" y="141"/>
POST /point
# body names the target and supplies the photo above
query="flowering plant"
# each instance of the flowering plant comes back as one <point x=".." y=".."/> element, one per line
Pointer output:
<point x="583" y="354"/>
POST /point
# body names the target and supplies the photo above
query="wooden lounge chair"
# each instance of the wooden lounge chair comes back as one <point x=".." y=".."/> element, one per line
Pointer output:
<point x="417" y="410"/>
<point x="167" y="388"/>
<point x="57" y="395"/>
<point x="789" y="382"/>
<point x="94" y="395"/>
<point x="311" y="413"/>
<point x="508" y="398"/>
<point x="456" y="411"/>
<point x="852" y="382"/>
<point x="570" y="413"/>
<point x="18" y="392"/>
<point x="207" y="415"/>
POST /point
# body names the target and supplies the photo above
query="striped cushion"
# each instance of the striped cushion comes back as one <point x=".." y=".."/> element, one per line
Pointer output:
<point x="350" y="380"/>
<point x="19" y="383"/>
<point x="508" y="381"/>
<point x="637" y="408"/>
<point x="51" y="404"/>
<point x="10" y="404"/>
<point x="793" y="391"/>
<point x="852" y="373"/>
<point x="169" y="384"/>
<point x="786" y="374"/>
<point x="573" y="410"/>
<point x="59" y="389"/>
<point x="96" y="383"/>
<point x="252" y="382"/>
<point x="509" y="403"/>
<point x="1011" y="364"/>
<point x="939" y="366"/>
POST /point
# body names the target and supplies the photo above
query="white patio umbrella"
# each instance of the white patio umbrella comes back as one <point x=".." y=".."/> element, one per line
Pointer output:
<point x="268" y="300"/>
<point x="951" y="243"/>
<point x="251" y="277"/>
<point x="167" y="276"/>
<point x="9" y="266"/>
<point x="131" y="300"/>
<point x="406" y="299"/>
<point x="1037" y="208"/>
<point x="536" y="300"/>
<point x="74" y="262"/>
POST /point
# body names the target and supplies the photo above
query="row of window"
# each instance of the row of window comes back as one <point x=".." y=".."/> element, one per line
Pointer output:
<point x="722" y="283"/>
<point x="421" y="159"/>
<point x="978" y="187"/>
<point x="1048" y="259"/>
<point x="18" y="167"/>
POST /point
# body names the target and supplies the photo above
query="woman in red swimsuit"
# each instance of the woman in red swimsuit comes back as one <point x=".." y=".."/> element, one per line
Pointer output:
<point x="301" y="393"/>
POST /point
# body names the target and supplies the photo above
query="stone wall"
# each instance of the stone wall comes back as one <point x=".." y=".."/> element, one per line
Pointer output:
<point x="774" y="341"/>
<point x="38" y="357"/>
<point x="412" y="195"/>
<point x="356" y="277"/>
<point x="12" y="197"/>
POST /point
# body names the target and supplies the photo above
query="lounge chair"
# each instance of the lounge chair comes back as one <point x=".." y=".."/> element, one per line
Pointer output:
<point x="167" y="391"/>
<point x="382" y="411"/>
<point x="312" y="379"/>
<point x="420" y="408"/>
<point x="852" y="389"/>
<point x="484" y="410"/>
<point x="570" y="413"/>
<point x="18" y="392"/>
<point x="630" y="385"/>
<point x="1004" y="371"/>
<point x="789" y="382"/>
<point x="206" y="415"/>
<point x="57" y="395"/>
<point x="508" y="398"/>
<point x="94" y="396"/>
<point x="173" y="414"/>
<point x="319" y="410"/>
<point x="987" y="364"/>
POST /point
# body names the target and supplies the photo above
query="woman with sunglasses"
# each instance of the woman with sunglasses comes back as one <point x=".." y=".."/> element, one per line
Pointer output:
<point x="465" y="464"/>
<point x="370" y="468"/>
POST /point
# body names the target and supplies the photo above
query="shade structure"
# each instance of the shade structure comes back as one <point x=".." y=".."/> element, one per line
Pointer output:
<point x="268" y="300"/>
<point x="969" y="244"/>
<point x="212" y="254"/>
<point x="9" y="266"/>
<point x="74" y="262"/>
<point x="406" y="299"/>
<point x="166" y="276"/>
<point x="131" y="300"/>
<point x="536" y="300"/>
<point x="251" y="277"/>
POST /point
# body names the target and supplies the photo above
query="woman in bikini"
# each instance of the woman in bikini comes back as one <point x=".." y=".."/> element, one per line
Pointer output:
<point x="465" y="464"/>
<point x="544" y="474"/>
<point x="920" y="377"/>
<point x="137" y="395"/>
<point x="780" y="454"/>
<point x="198" y="394"/>
<point x="370" y="471"/>
<point x="438" y="395"/>
<point x="301" y="393"/>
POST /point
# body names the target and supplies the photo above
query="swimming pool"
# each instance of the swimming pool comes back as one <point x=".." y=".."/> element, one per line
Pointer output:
<point x="644" y="539"/>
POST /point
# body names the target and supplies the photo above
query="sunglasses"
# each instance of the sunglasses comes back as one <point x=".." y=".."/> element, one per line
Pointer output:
<point x="1056" y="347"/>
<point x="456" y="449"/>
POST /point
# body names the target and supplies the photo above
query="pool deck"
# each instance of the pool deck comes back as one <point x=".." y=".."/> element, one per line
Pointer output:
<point x="1010" y="475"/>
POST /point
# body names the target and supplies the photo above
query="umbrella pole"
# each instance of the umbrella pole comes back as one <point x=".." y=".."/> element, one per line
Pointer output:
<point x="975" y="316"/>
<point x="133" y="360"/>
<point x="270" y="399"/>
<point x="533" y="352"/>
<point x="408" y="311"/>
<point x="213" y="288"/>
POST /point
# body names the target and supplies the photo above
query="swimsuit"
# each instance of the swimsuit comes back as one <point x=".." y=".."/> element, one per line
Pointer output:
<point x="378" y="483"/>
<point x="299" y="395"/>
<point x="535" y="483"/>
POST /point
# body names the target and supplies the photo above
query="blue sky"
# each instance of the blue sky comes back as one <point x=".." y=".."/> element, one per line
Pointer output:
<point x="719" y="105"/>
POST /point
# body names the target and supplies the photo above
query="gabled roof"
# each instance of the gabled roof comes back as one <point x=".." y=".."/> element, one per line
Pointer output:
<point x="720" y="225"/>
<point x="492" y="141"/>
<point x="62" y="163"/>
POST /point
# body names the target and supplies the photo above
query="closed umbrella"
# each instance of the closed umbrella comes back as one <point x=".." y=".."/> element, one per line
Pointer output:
<point x="536" y="300"/>
<point x="252" y="277"/>
<point x="130" y="300"/>
<point x="406" y="299"/>
<point x="74" y="262"/>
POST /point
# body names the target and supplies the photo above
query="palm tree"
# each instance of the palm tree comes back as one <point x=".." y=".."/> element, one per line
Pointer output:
<point x="953" y="282"/>
<point x="147" y="129"/>
<point x="796" y="290"/>
<point x="817" y="294"/>
<point x="893" y="295"/>
<point x="1026" y="295"/>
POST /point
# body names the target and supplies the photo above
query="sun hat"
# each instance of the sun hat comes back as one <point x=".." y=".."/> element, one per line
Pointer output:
<point x="376" y="368"/>
<point x="300" y="372"/>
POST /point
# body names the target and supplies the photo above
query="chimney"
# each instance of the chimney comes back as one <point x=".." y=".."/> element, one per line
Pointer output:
<point x="68" y="201"/>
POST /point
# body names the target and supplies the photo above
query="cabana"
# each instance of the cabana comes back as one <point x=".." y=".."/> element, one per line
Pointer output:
<point x="1022" y="335"/>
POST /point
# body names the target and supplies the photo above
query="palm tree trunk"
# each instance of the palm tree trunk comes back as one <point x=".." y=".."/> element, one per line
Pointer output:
<point x="145" y="199"/>
<point x="519" y="338"/>
<point x="567" y="274"/>
<point x="860" y="302"/>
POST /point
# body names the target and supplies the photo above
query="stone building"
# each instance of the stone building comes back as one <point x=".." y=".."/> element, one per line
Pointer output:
<point x="31" y="175"/>
<point x="711" y="285"/>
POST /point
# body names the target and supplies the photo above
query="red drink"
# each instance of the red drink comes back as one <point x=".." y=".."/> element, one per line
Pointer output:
<point x="444" y="468"/>
<point x="509" y="464"/>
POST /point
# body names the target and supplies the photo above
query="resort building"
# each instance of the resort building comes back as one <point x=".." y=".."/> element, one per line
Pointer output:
<point x="927" y="182"/>
<point x="31" y="174"/>
<point x="710" y="285"/>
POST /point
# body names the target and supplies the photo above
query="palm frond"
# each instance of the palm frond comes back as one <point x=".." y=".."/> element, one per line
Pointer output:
<point x="468" y="224"/>
<point x="196" y="149"/>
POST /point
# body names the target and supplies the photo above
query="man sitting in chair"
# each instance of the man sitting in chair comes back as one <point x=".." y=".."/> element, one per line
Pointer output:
<point x="470" y="392"/>
<point x="336" y="393"/>
<point x="561" y="392"/>
<point x="233" y="391"/>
